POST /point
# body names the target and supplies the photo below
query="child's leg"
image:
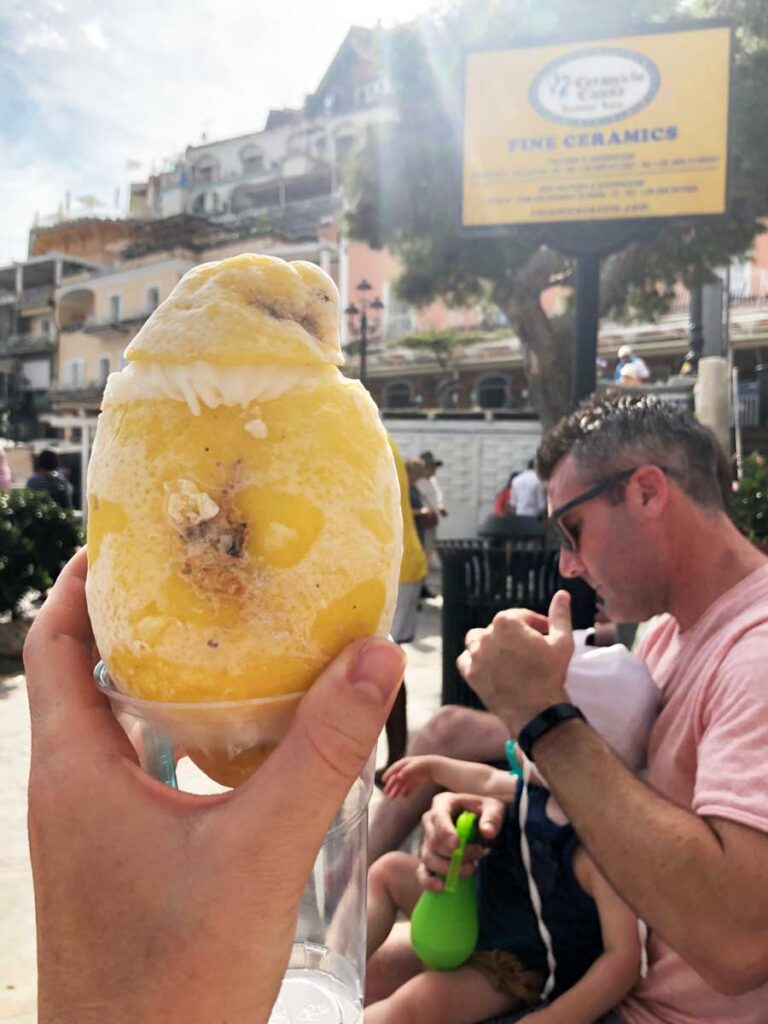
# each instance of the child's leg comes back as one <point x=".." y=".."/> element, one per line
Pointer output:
<point x="392" y="889"/>
<point x="463" y="996"/>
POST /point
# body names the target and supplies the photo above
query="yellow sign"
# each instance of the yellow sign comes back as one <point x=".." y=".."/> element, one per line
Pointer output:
<point x="620" y="128"/>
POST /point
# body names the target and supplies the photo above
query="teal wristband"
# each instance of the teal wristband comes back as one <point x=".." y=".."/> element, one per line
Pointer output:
<point x="515" y="768"/>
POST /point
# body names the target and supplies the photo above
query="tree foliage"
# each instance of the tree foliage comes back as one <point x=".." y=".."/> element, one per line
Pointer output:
<point x="405" y="189"/>
<point x="37" y="537"/>
<point x="749" y="505"/>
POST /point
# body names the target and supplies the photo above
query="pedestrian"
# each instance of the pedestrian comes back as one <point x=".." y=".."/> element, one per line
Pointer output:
<point x="528" y="497"/>
<point x="49" y="479"/>
<point x="630" y="370"/>
<point x="413" y="574"/>
<point x="432" y="498"/>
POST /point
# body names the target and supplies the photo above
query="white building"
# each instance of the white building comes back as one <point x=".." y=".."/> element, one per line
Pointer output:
<point x="289" y="173"/>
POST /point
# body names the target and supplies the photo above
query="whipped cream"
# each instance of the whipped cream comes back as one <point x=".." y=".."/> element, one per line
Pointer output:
<point x="202" y="383"/>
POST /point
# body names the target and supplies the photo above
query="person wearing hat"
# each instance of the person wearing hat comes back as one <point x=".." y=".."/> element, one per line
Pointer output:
<point x="432" y="498"/>
<point x="631" y="369"/>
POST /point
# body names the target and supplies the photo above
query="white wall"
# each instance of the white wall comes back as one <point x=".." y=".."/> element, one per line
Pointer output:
<point x="478" y="458"/>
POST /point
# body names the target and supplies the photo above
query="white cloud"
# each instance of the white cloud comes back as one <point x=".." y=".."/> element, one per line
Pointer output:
<point x="42" y="37"/>
<point x="80" y="103"/>
<point x="93" y="34"/>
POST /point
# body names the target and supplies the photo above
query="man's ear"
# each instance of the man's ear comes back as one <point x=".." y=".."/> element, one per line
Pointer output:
<point x="652" y="490"/>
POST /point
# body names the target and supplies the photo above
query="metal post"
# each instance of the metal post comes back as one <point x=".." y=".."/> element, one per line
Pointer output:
<point x="364" y="348"/>
<point x="584" y="376"/>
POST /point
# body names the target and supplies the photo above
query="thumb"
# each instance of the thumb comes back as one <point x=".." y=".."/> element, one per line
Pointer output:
<point x="560" y="628"/>
<point x="302" y="784"/>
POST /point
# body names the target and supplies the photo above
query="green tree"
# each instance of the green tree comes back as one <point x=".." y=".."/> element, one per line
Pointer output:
<point x="37" y="537"/>
<point x="404" y="193"/>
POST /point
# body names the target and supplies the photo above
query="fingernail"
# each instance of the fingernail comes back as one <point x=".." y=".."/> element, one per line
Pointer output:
<point x="380" y="664"/>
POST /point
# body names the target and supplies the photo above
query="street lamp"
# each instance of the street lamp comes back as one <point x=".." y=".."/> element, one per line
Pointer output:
<point x="360" y="326"/>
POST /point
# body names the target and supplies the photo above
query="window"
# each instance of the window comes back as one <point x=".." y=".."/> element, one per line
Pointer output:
<point x="398" y="395"/>
<point x="493" y="392"/>
<point x="153" y="298"/>
<point x="76" y="372"/>
<point x="45" y="327"/>
<point x="199" y="204"/>
<point x="206" y="170"/>
<point x="114" y="308"/>
<point x="252" y="160"/>
<point x="105" y="369"/>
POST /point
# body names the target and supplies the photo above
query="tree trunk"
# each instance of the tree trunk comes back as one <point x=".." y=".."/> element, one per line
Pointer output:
<point x="545" y="341"/>
<point x="546" y="358"/>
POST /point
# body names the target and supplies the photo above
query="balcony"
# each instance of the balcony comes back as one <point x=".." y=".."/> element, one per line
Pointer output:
<point x="33" y="300"/>
<point x="84" y="393"/>
<point x="100" y="325"/>
<point x="24" y="345"/>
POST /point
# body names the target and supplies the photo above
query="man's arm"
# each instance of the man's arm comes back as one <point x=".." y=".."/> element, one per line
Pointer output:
<point x="701" y="883"/>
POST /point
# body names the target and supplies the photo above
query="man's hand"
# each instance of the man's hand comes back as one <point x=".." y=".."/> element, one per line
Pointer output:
<point x="517" y="666"/>
<point x="440" y="838"/>
<point x="155" y="905"/>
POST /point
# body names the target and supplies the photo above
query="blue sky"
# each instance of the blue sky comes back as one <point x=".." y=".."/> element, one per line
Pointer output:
<point x="91" y="88"/>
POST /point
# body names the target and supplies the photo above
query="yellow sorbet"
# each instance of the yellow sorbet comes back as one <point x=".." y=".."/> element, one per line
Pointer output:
<point x="244" y="519"/>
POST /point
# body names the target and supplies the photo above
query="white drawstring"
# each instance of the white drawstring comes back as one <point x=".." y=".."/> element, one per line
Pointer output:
<point x="642" y="934"/>
<point x="533" y="889"/>
<point x="535" y="897"/>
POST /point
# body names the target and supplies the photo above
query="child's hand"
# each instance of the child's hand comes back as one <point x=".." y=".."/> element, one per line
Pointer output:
<point x="405" y="775"/>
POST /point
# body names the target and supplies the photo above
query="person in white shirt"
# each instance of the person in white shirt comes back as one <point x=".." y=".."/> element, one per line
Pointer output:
<point x="631" y="369"/>
<point x="528" y="496"/>
<point x="432" y="496"/>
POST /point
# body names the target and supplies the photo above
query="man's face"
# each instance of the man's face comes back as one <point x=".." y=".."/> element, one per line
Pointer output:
<point x="614" y="553"/>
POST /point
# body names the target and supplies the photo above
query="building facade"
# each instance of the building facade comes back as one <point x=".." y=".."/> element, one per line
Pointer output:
<point x="29" y="338"/>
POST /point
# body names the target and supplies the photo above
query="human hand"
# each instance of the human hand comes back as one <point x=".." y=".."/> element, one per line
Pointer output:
<point x="440" y="838"/>
<point x="155" y="905"/>
<point x="407" y="774"/>
<point x="517" y="666"/>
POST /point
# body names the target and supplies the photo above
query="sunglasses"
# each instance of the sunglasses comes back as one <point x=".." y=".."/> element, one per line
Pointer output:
<point x="566" y="537"/>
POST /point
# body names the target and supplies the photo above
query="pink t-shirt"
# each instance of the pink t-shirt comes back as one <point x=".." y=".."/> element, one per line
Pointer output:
<point x="708" y="752"/>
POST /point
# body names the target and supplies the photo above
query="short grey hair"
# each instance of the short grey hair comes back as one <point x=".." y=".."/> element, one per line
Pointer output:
<point x="615" y="430"/>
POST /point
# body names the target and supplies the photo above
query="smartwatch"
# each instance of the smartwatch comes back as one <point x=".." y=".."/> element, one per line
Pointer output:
<point x="543" y="722"/>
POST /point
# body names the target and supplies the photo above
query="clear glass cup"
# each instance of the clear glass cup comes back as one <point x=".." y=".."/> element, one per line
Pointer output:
<point x="325" y="980"/>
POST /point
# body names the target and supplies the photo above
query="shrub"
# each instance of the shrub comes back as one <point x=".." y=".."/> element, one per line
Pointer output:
<point x="37" y="537"/>
<point x="749" y="506"/>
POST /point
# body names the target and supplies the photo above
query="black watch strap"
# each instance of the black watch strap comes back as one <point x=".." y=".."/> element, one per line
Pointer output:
<point x="543" y="722"/>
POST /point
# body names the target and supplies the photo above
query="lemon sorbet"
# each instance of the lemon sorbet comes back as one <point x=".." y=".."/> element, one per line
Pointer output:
<point x="244" y="518"/>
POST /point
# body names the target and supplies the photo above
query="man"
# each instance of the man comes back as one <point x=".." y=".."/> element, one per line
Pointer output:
<point x="47" y="478"/>
<point x="527" y="496"/>
<point x="631" y="369"/>
<point x="432" y="498"/>
<point x="633" y="485"/>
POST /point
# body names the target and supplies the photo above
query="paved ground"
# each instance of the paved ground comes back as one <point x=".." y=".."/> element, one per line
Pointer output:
<point x="17" y="938"/>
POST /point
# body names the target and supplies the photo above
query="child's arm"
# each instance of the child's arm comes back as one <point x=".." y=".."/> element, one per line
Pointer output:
<point x="614" y="973"/>
<point x="459" y="776"/>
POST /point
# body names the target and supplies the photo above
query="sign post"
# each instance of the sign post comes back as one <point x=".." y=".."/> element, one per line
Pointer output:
<point x="593" y="144"/>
